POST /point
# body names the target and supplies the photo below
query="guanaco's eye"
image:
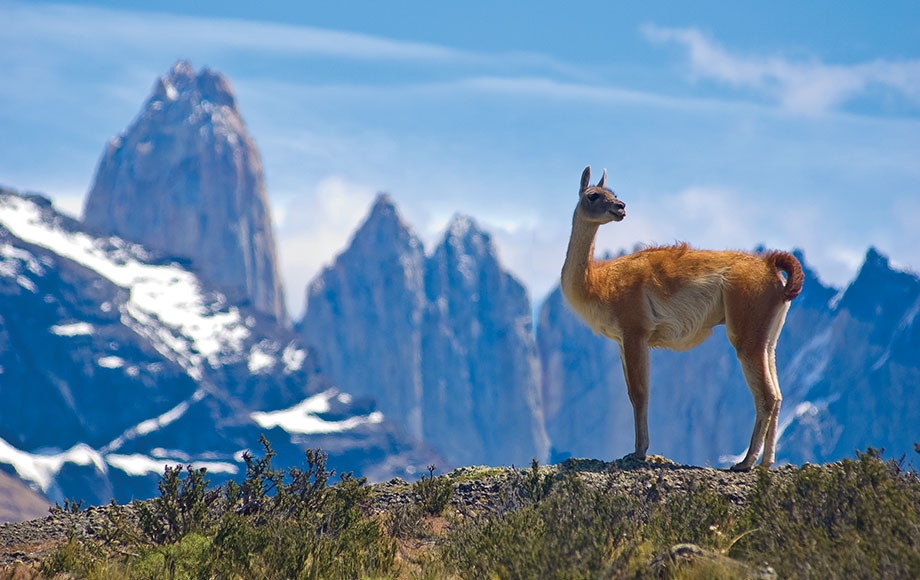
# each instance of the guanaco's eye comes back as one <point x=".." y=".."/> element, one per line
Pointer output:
<point x="593" y="196"/>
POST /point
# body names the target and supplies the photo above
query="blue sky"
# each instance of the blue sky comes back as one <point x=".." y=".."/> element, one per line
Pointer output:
<point x="790" y="124"/>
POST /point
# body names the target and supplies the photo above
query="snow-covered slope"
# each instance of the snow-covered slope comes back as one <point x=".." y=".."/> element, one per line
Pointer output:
<point x="115" y="361"/>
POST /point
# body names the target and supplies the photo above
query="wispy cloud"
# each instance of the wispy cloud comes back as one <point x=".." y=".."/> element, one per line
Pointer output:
<point x="98" y="30"/>
<point x="806" y="86"/>
<point x="66" y="23"/>
<point x="310" y="235"/>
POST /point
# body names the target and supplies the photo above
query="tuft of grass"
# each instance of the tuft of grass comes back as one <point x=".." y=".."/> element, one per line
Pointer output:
<point x="698" y="516"/>
<point x="430" y="497"/>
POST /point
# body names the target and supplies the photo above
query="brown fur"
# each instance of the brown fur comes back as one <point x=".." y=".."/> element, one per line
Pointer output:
<point x="672" y="297"/>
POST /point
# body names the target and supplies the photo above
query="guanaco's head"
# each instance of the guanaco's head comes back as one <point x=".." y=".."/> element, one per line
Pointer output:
<point x="597" y="203"/>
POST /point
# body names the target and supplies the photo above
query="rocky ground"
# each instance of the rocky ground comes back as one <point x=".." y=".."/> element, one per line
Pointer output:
<point x="476" y="489"/>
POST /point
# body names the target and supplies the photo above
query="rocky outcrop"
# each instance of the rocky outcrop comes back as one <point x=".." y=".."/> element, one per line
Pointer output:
<point x="444" y="343"/>
<point x="185" y="179"/>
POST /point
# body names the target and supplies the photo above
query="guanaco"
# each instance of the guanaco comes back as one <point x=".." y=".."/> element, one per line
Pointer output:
<point x="671" y="297"/>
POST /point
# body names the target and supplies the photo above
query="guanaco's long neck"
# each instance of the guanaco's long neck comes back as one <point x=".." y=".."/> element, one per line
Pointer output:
<point x="578" y="258"/>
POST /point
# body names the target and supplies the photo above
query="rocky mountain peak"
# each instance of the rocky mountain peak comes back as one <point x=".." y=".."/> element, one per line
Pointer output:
<point x="879" y="290"/>
<point x="383" y="206"/>
<point x="363" y="313"/>
<point x="815" y="294"/>
<point x="443" y="342"/>
<point x="182" y="84"/>
<point x="463" y="233"/>
<point x="874" y="258"/>
<point x="385" y="229"/>
<point x="186" y="179"/>
<point x="466" y="258"/>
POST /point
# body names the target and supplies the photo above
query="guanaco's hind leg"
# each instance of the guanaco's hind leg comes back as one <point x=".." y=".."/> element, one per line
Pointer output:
<point x="635" y="359"/>
<point x="769" y="450"/>
<point x="754" y="343"/>
<point x="756" y="367"/>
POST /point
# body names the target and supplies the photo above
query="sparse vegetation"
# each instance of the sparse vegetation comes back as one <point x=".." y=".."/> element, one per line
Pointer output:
<point x="71" y="506"/>
<point x="856" y="518"/>
<point x="434" y="493"/>
<point x="429" y="497"/>
<point x="852" y="519"/>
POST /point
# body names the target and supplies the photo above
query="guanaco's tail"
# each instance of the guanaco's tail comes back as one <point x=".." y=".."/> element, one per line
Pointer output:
<point x="790" y="265"/>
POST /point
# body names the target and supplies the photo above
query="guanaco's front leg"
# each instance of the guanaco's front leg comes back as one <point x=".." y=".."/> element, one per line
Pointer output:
<point x="634" y="356"/>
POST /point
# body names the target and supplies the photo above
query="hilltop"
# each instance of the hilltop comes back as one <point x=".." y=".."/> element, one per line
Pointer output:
<point x="581" y="518"/>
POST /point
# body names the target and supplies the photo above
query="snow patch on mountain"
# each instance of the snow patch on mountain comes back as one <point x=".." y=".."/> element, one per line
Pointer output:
<point x="111" y="362"/>
<point x="293" y="358"/>
<point x="150" y="425"/>
<point x="167" y="303"/>
<point x="809" y="364"/>
<point x="261" y="358"/>
<point x="138" y="464"/>
<point x="73" y="329"/>
<point x="41" y="468"/>
<point x="304" y="417"/>
<point x="16" y="262"/>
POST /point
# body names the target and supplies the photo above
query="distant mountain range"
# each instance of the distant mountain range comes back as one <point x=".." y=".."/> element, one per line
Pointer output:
<point x="153" y="332"/>
<point x="116" y="360"/>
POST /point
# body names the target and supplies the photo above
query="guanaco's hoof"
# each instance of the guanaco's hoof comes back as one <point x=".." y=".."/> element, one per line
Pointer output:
<point x="740" y="467"/>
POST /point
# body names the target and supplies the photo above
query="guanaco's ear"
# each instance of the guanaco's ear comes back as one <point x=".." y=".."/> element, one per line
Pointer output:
<point x="585" y="179"/>
<point x="603" y="181"/>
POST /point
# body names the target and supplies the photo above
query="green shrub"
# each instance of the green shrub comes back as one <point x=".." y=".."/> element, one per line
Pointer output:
<point x="407" y="521"/>
<point x="331" y="536"/>
<point x="183" y="506"/>
<point x="433" y="493"/>
<point x="72" y="556"/>
<point x="534" y="487"/>
<point x="852" y="519"/>
<point x="181" y="560"/>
